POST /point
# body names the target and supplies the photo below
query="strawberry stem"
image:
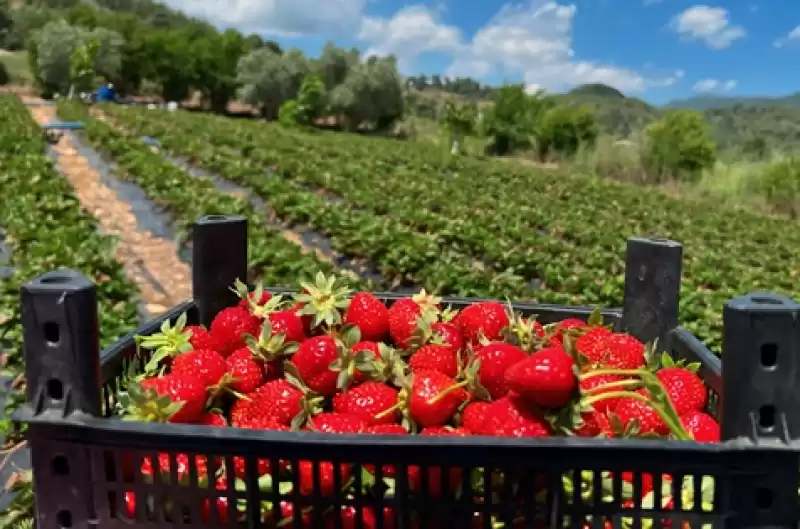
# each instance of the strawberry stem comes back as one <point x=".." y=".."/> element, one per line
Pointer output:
<point x="387" y="411"/>
<point x="622" y="384"/>
<point x="447" y="391"/>
<point x="613" y="371"/>
<point x="670" y="418"/>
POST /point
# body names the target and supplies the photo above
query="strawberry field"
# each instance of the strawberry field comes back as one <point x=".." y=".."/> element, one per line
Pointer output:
<point x="44" y="228"/>
<point x="380" y="215"/>
<point x="465" y="226"/>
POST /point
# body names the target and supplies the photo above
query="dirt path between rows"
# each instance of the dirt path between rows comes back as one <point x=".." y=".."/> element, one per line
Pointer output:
<point x="151" y="262"/>
<point x="238" y="191"/>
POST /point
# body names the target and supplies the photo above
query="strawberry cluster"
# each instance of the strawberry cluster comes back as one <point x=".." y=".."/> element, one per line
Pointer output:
<point x="327" y="360"/>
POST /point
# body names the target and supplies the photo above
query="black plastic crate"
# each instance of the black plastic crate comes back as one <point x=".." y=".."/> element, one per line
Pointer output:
<point x="85" y="461"/>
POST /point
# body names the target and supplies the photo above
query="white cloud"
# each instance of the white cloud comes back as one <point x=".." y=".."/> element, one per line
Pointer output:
<point x="710" y="24"/>
<point x="713" y="85"/>
<point x="412" y="31"/>
<point x="793" y="35"/>
<point x="278" y="17"/>
<point x="532" y="40"/>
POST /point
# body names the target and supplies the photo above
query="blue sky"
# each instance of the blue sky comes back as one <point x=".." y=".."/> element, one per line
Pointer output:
<point x="654" y="49"/>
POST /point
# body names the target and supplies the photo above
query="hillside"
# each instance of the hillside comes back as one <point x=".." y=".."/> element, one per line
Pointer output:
<point x="707" y="102"/>
<point x="618" y="114"/>
<point x="776" y="120"/>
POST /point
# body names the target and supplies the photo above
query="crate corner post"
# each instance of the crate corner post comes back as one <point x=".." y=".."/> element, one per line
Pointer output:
<point x="219" y="258"/>
<point x="650" y="305"/>
<point x="62" y="356"/>
<point x="761" y="404"/>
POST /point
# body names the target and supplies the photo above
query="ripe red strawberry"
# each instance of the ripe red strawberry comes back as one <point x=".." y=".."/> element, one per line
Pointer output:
<point x="431" y="399"/>
<point x="435" y="491"/>
<point x="246" y="371"/>
<point x="370" y="315"/>
<point x="547" y="378"/>
<point x="205" y="365"/>
<point x="341" y="423"/>
<point x="630" y="410"/>
<point x="277" y="400"/>
<point x="623" y="351"/>
<point x="230" y="325"/>
<point x="182" y="464"/>
<point x="684" y="388"/>
<point x="368" y="519"/>
<point x="187" y="393"/>
<point x="473" y="418"/>
<point x="371" y="351"/>
<point x="703" y="427"/>
<point x="512" y="416"/>
<point x="604" y="405"/>
<point x="590" y="345"/>
<point x="221" y="504"/>
<point x="485" y="318"/>
<point x="213" y="419"/>
<point x="564" y="325"/>
<point x="385" y="429"/>
<point x="595" y="423"/>
<point x="403" y="315"/>
<point x="130" y="504"/>
<point x="200" y="338"/>
<point x="313" y="361"/>
<point x="327" y="483"/>
<point x="368" y="400"/>
<point x="448" y="334"/>
<point x="495" y="359"/>
<point x="436" y="358"/>
<point x="288" y="323"/>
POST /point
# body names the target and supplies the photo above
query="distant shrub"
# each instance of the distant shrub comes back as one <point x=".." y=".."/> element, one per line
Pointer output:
<point x="680" y="146"/>
<point x="291" y="113"/>
<point x="780" y="185"/>
<point x="5" y="77"/>
<point x="565" y="129"/>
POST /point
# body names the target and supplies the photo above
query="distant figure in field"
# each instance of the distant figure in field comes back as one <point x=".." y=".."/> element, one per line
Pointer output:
<point x="106" y="93"/>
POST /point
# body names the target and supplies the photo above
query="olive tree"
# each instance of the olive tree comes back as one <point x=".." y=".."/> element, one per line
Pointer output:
<point x="63" y="51"/>
<point x="371" y="93"/>
<point x="269" y="79"/>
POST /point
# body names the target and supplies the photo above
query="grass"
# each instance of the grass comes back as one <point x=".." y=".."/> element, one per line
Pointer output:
<point x="17" y="64"/>
<point x="732" y="179"/>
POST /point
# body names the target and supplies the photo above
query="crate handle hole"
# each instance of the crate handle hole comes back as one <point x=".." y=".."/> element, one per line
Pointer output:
<point x="769" y="355"/>
<point x="763" y="498"/>
<point x="55" y="389"/>
<point x="762" y="300"/>
<point x="64" y="519"/>
<point x="766" y="418"/>
<point x="56" y="279"/>
<point x="51" y="332"/>
<point x="60" y="465"/>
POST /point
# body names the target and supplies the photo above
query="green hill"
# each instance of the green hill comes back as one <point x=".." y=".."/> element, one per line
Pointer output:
<point x="707" y="102"/>
<point x="734" y="120"/>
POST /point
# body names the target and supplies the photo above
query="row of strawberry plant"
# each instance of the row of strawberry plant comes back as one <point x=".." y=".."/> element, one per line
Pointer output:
<point x="528" y="257"/>
<point x="595" y="216"/>
<point x="399" y="250"/>
<point x="272" y="258"/>
<point x="625" y="210"/>
<point x="46" y="229"/>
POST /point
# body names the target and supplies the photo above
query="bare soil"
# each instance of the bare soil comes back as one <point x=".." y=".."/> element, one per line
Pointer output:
<point x="151" y="262"/>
